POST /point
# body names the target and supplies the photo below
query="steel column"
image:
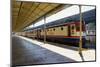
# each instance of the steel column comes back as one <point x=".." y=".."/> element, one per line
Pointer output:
<point x="44" y="29"/>
<point x="80" y="43"/>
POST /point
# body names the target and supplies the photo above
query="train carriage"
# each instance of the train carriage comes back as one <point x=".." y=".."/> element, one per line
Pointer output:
<point x="66" y="30"/>
<point x="64" y="33"/>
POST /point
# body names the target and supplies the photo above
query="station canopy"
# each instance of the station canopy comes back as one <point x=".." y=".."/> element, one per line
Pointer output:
<point x="26" y="13"/>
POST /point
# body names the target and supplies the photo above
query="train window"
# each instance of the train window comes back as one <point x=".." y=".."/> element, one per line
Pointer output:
<point x="72" y="27"/>
<point x="54" y="29"/>
<point x="77" y="28"/>
<point x="61" y="28"/>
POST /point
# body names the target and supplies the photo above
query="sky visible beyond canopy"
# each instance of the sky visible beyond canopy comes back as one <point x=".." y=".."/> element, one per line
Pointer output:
<point x="64" y="13"/>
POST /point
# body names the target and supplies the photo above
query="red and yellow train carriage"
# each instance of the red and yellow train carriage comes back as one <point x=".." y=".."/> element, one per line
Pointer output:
<point x="64" y="33"/>
<point x="66" y="30"/>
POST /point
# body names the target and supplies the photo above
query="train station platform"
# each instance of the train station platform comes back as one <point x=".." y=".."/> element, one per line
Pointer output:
<point x="26" y="51"/>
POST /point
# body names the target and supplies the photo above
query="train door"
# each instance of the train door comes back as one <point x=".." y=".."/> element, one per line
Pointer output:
<point x="38" y="33"/>
<point x="72" y="30"/>
<point x="69" y="33"/>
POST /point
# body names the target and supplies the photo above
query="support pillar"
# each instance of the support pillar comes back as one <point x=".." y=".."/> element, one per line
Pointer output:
<point x="44" y="29"/>
<point x="80" y="42"/>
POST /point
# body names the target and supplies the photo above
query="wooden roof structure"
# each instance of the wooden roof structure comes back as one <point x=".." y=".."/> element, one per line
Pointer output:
<point x="25" y="13"/>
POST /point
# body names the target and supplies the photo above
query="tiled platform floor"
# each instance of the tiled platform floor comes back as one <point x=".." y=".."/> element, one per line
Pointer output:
<point x="26" y="53"/>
